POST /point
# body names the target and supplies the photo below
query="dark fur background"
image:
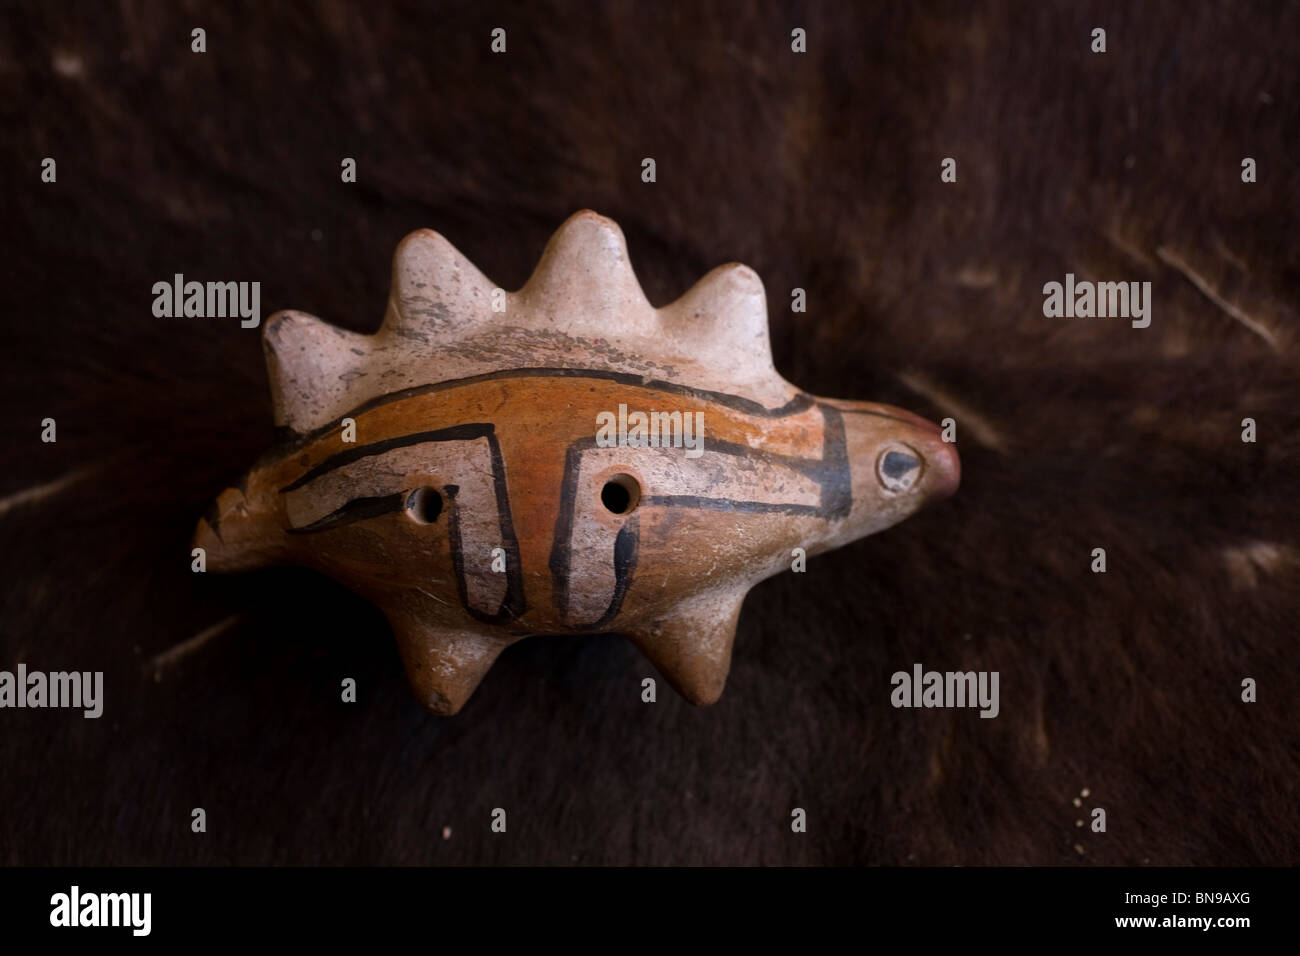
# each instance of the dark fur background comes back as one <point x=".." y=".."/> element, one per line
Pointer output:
<point x="820" y="171"/>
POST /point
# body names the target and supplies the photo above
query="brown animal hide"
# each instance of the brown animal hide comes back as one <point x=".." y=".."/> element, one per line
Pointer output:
<point x="822" y="171"/>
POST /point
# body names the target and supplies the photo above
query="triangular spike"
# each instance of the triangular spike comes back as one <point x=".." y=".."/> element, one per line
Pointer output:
<point x="444" y="664"/>
<point x="691" y="643"/>
<point x="722" y="323"/>
<point x="312" y="366"/>
<point x="435" y="291"/>
<point x="584" y="283"/>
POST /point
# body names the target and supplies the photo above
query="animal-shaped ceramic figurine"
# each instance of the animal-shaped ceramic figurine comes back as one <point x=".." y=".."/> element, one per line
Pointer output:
<point x="562" y="459"/>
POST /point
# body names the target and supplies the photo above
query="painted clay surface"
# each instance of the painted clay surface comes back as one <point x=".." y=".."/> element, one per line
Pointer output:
<point x="472" y="504"/>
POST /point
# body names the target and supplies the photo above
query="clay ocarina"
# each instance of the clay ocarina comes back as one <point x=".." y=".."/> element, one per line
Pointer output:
<point x="562" y="459"/>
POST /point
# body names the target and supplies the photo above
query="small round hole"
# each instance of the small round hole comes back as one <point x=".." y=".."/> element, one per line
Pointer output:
<point x="620" y="494"/>
<point x="424" y="505"/>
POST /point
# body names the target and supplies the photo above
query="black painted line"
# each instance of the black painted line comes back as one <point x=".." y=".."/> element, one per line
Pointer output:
<point x="358" y="509"/>
<point x="731" y="504"/>
<point x="808" y="467"/>
<point x="454" y="433"/>
<point x="561" y="546"/>
<point x="515" y="602"/>
<point x="837" y="487"/>
<point x="293" y="441"/>
<point x="625" y="556"/>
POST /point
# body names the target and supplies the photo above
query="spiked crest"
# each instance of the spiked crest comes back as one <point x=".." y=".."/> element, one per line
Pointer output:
<point x="441" y="325"/>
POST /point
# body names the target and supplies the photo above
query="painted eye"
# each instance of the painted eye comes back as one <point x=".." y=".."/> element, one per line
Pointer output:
<point x="898" y="468"/>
